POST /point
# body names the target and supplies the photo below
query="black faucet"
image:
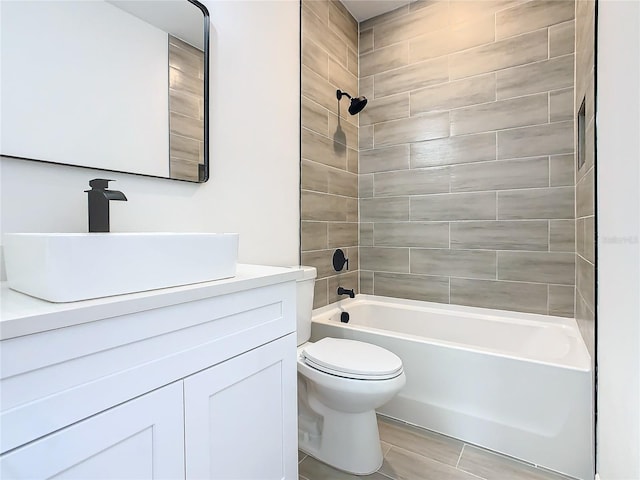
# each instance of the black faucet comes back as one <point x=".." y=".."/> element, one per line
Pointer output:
<point x="99" y="197"/>
<point x="344" y="291"/>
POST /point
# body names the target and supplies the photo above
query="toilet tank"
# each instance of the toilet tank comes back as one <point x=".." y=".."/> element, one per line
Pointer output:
<point x="305" y="287"/>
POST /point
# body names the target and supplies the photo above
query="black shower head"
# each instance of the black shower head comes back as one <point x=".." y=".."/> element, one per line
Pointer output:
<point x="357" y="104"/>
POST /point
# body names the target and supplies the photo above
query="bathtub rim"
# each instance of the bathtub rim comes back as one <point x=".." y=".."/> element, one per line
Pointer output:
<point x="582" y="361"/>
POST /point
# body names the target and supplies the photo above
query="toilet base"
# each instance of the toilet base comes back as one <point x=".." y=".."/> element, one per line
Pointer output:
<point x="346" y="441"/>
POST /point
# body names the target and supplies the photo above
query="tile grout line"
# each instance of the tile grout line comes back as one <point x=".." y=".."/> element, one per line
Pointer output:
<point x="460" y="456"/>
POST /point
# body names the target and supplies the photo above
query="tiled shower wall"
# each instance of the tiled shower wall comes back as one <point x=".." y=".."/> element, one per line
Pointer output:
<point x="466" y="179"/>
<point x="329" y="137"/>
<point x="186" y="110"/>
<point x="585" y="175"/>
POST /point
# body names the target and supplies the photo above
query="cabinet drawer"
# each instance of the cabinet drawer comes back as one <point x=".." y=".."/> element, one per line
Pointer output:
<point x="140" y="439"/>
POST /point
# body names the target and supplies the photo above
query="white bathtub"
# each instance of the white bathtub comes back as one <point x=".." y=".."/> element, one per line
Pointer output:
<point x="516" y="383"/>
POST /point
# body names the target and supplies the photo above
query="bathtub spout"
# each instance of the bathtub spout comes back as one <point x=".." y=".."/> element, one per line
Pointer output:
<point x="344" y="291"/>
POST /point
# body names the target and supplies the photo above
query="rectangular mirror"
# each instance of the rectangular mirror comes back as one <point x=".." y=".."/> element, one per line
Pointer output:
<point x="118" y="85"/>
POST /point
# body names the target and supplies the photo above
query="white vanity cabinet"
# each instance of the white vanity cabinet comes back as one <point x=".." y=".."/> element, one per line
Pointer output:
<point x="140" y="439"/>
<point x="189" y="382"/>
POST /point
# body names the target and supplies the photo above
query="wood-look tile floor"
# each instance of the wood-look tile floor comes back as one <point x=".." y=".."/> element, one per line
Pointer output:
<point x="412" y="453"/>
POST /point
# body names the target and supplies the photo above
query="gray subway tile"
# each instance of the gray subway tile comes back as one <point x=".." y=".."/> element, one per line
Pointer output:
<point x="507" y="53"/>
<point x="394" y="209"/>
<point x="454" y="263"/>
<point x="314" y="117"/>
<point x="365" y="88"/>
<point x="342" y="183"/>
<point x="561" y="300"/>
<point x="413" y="287"/>
<point x="561" y="170"/>
<point x="550" y="139"/>
<point x="323" y="207"/>
<point x="384" y="109"/>
<point x="589" y="239"/>
<point x="469" y="10"/>
<point x="318" y="30"/>
<point x="500" y="235"/>
<point x="383" y="59"/>
<point x="562" y="38"/>
<point x="352" y="62"/>
<point x="451" y="40"/>
<point x="586" y="324"/>
<point x="585" y="195"/>
<point x="561" y="105"/>
<point x="411" y="182"/>
<point x="411" y="234"/>
<point x="385" y="17"/>
<point x="342" y="132"/>
<point x="532" y="16"/>
<point x="315" y="58"/>
<point x="384" y="159"/>
<point x="321" y="259"/>
<point x="384" y="259"/>
<point x="562" y="235"/>
<point x="411" y="77"/>
<point x="322" y="150"/>
<point x="366" y="234"/>
<point x="414" y="129"/>
<point x="319" y="7"/>
<point x="452" y="150"/>
<point x="318" y="89"/>
<point x="454" y="206"/>
<point x="461" y="93"/>
<point x="434" y="17"/>
<point x="516" y="296"/>
<point x="320" y="293"/>
<point x="365" y="137"/>
<point x="348" y="280"/>
<point x="342" y="235"/>
<point x="341" y="22"/>
<point x="552" y="202"/>
<point x="542" y="267"/>
<point x="500" y="175"/>
<point x="365" y="185"/>
<point x="313" y="236"/>
<point x="580" y="236"/>
<point x="537" y="77"/>
<point x="366" y="41"/>
<point x="314" y="176"/>
<point x="515" y="112"/>
<point x="366" y="282"/>
<point x="342" y="78"/>
<point x="585" y="281"/>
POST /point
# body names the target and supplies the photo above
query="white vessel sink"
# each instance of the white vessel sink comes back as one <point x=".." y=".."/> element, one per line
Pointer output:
<point x="67" y="267"/>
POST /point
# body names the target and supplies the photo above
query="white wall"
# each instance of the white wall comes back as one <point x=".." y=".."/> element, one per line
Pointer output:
<point x="254" y="184"/>
<point x="618" y="204"/>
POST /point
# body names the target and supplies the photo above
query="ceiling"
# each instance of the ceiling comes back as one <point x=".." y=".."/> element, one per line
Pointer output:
<point x="365" y="9"/>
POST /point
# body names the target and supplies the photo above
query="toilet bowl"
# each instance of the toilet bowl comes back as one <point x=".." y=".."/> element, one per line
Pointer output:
<point x="340" y="384"/>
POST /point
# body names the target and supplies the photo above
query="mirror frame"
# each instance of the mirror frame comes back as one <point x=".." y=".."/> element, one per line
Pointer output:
<point x="205" y="177"/>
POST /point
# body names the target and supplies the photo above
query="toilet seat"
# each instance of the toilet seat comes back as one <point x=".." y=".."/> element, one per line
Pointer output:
<point x="352" y="359"/>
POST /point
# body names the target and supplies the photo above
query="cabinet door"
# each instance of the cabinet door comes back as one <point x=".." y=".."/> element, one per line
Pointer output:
<point x="241" y="416"/>
<point x="140" y="439"/>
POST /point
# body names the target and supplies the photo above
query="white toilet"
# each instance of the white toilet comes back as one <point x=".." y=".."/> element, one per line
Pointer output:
<point x="340" y="384"/>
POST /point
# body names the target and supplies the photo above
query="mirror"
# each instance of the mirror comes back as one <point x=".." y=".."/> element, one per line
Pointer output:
<point x="118" y="85"/>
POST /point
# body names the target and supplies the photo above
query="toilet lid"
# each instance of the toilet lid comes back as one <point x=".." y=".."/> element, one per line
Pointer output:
<point x="352" y="359"/>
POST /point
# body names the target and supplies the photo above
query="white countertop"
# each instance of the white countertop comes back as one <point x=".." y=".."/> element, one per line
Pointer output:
<point x="24" y="315"/>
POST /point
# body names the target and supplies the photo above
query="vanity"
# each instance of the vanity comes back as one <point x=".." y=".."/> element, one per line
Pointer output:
<point x="197" y="381"/>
